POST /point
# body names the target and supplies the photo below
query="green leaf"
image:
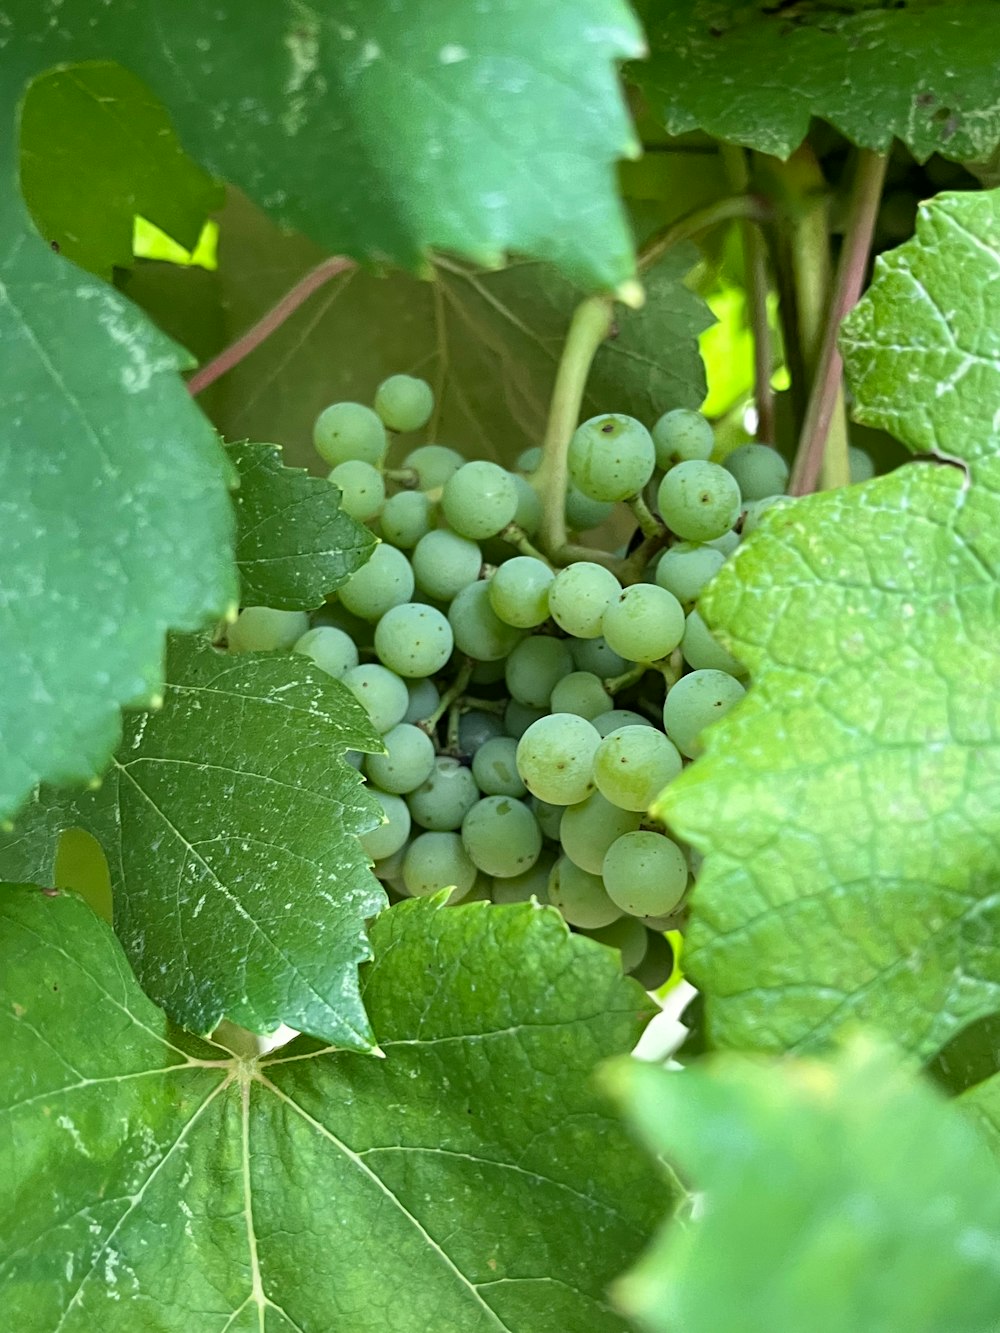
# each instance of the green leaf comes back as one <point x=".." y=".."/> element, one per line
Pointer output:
<point x="294" y="544"/>
<point x="470" y="1180"/>
<point x="755" y="73"/>
<point x="230" y="822"/>
<point x="384" y="131"/>
<point x="982" y="1102"/>
<point x="840" y="1196"/>
<point x="849" y="806"/>
<point x="104" y="459"/>
<point x="97" y="149"/>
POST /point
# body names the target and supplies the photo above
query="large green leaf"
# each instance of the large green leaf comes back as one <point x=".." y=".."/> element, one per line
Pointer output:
<point x="294" y="543"/>
<point x="850" y="807"/>
<point x="104" y="460"/>
<point x="754" y="72"/>
<point x="471" y="1180"/>
<point x="982" y="1102"/>
<point x="841" y="1196"/>
<point x="383" y="130"/>
<point x="230" y="820"/>
<point x="96" y="149"/>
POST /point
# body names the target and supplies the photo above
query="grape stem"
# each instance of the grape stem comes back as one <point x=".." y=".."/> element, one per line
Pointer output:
<point x="258" y="333"/>
<point x="615" y="684"/>
<point x="402" y="476"/>
<point x="518" y="538"/>
<point x="454" y="691"/>
<point x="632" y="568"/>
<point x="750" y="206"/>
<point x="649" y="524"/>
<point x="821" y="458"/>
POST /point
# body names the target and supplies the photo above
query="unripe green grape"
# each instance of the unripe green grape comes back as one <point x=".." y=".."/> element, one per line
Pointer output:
<point x="414" y="640"/>
<point x="476" y="729"/>
<point x="433" y="464"/>
<point x="555" y="758"/>
<point x="681" y="435"/>
<point x="528" y="514"/>
<point x="389" y="837"/>
<point x="501" y="836"/>
<point x="347" y="432"/>
<point x="385" y="581"/>
<point x="406" y="518"/>
<point x="442" y="802"/>
<point x="528" y="460"/>
<point x="628" y="936"/>
<point x="437" y="860"/>
<point x="479" y="631"/>
<point x="479" y="500"/>
<point x="698" y="500"/>
<point x="380" y="692"/>
<point x="611" y="457"/>
<point x="362" y="489"/>
<point x="584" y="513"/>
<point x="582" y="693"/>
<point x="644" y="623"/>
<point x="407" y="763"/>
<point x="424" y="699"/>
<point x="694" y="703"/>
<point x="580" y="896"/>
<point x="494" y="766"/>
<point x="759" y="470"/>
<point x="645" y="874"/>
<point x="549" y="816"/>
<point x="727" y="543"/>
<point x="685" y="569"/>
<point x="657" y="966"/>
<point x="756" y="509"/>
<point x="444" y="564"/>
<point x="262" y="629"/>
<point x="861" y="463"/>
<point x="579" y="596"/>
<point x="519" y="591"/>
<point x="633" y="764"/>
<point x="518" y="717"/>
<point x="589" y="828"/>
<point x="701" y="650"/>
<point x="617" y="718"/>
<point x="389" y="869"/>
<point x="595" y="656"/>
<point x="535" y="667"/>
<point x="404" y="403"/>
<point x="330" y="648"/>
<point x="533" y="883"/>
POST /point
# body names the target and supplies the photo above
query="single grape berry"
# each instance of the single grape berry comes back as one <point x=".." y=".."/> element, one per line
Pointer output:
<point x="644" y="623"/>
<point x="555" y="758"/>
<point x="479" y="500"/>
<point x="386" y="580"/>
<point x="362" y="488"/>
<point x="391" y="835"/>
<point x="686" y="567"/>
<point x="681" y="435"/>
<point x="414" y="640"/>
<point x="262" y="629"/>
<point x="611" y="457"/>
<point x="349" y="431"/>
<point x="645" y="874"/>
<point x="433" y="464"/>
<point x="699" y="500"/>
<point x="330" y="648"/>
<point x="579" y="597"/>
<point x="759" y="470"/>
<point x="404" y="403"/>
<point x="694" y="703"/>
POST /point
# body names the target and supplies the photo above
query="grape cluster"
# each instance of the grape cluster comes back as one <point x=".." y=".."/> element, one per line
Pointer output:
<point x="531" y="711"/>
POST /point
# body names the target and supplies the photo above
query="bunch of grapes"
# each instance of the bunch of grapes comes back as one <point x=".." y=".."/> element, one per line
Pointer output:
<point x="532" y="711"/>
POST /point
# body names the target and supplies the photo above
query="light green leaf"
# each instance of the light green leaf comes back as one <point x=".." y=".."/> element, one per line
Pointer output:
<point x="471" y="1180"/>
<point x="230" y="820"/>
<point x="839" y="1196"/>
<point x="755" y="73"/>
<point x="294" y="544"/>
<point x="104" y="460"/>
<point x="982" y="1102"/>
<point x="97" y="149"/>
<point x="850" y="806"/>
<point x="381" y="130"/>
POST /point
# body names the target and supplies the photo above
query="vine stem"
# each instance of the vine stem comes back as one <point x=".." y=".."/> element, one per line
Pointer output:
<point x="749" y="206"/>
<point x="268" y="323"/>
<point x="814" y="461"/>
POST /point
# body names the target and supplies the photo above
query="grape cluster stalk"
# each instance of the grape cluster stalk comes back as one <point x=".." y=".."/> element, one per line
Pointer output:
<point x="532" y="712"/>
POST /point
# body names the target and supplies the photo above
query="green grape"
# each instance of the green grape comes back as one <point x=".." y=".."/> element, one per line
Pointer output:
<point x="595" y="656"/>
<point x="694" y="703"/>
<point x="702" y="651"/>
<point x="391" y="835"/>
<point x="628" y="936"/>
<point x="424" y="699"/>
<point x="487" y="673"/>
<point x="406" y="518"/>
<point x="644" y="873"/>
<point x="699" y="500"/>
<point x="518" y="717"/>
<point x="681" y="435"/>
<point x="633" y="765"/>
<point x="755" y="510"/>
<point x="727" y="543"/>
<point x="437" y="860"/>
<point x="494" y="766"/>
<point x="385" y="581"/>
<point x="433" y="465"/>
<point x="528" y="460"/>
<point x="535" y="667"/>
<point x="584" y="513"/>
<point x="414" y="640"/>
<point x="408" y="760"/>
<point x="759" y="470"/>
<point x="528" y="514"/>
<point x="349" y="432"/>
<point x="579" y="596"/>
<point x="686" y="568"/>
<point x="589" y="828"/>
<point x="644" y="623"/>
<point x="533" y="883"/>
<point x="362" y="489"/>
<point x="861" y="464"/>
<point x="443" y="801"/>
<point x="657" y="967"/>
<point x="519" y="591"/>
<point x="555" y="758"/>
<point x="476" y="729"/>
<point x="380" y="692"/>
<point x="611" y="457"/>
<point x="581" y="897"/>
<point x="444" y="564"/>
<point x="582" y="693"/>
<point x="330" y="648"/>
<point x="617" y="718"/>
<point x="479" y="631"/>
<point x="479" y="500"/>
<point x="261" y="629"/>
<point x="501" y="836"/>
<point x="549" y="817"/>
<point x="404" y="403"/>
<point x="389" y="869"/>
<point x="333" y="613"/>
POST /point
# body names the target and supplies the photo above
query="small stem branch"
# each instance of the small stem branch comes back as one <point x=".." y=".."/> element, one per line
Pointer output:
<point x="615" y="684"/>
<point x="634" y="566"/>
<point x="671" y="668"/>
<point x="649" y="525"/>
<point x="454" y="691"/>
<point x="516" y="536"/>
<point x="570" y="552"/>
<point x="699" y="220"/>
<point x="822" y="453"/>
<point x="239" y="350"/>
<point x="590" y="325"/>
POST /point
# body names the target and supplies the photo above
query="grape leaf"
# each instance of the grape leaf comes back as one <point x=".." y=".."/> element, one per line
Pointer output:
<point x="843" y="1196"/>
<point x="96" y="149"/>
<point x="104" y="459"/>
<point x="850" y="806"/>
<point x="153" y="1180"/>
<point x="383" y="131"/>
<point x="982" y="1102"/>
<point x="754" y="73"/>
<point x="488" y="342"/>
<point x="294" y="544"/>
<point x="229" y="820"/>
